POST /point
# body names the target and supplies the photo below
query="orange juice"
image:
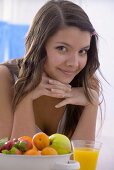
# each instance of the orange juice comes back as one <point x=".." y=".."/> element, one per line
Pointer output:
<point x="87" y="157"/>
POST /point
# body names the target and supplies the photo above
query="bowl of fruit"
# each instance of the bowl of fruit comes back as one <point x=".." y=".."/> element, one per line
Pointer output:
<point x="40" y="152"/>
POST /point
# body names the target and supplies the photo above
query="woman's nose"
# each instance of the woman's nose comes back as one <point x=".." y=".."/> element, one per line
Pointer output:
<point x="73" y="60"/>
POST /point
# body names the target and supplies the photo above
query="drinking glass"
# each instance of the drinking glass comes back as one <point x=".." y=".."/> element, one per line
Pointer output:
<point x="86" y="153"/>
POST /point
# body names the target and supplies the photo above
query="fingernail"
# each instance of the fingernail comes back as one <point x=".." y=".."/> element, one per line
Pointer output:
<point x="50" y="81"/>
<point x="56" y="106"/>
<point x="69" y="87"/>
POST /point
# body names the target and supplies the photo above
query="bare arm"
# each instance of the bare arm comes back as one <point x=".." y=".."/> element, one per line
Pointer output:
<point x="87" y="124"/>
<point x="24" y="123"/>
<point x="86" y="127"/>
<point x="21" y="122"/>
<point x="6" y="92"/>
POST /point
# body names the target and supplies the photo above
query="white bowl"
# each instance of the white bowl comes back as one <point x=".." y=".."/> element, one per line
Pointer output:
<point x="26" y="162"/>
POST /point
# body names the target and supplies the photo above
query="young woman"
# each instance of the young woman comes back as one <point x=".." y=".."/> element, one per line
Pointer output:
<point x="54" y="87"/>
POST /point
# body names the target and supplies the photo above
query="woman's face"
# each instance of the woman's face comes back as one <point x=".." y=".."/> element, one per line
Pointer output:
<point x="66" y="53"/>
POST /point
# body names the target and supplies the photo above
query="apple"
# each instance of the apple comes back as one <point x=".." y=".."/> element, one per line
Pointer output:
<point x="24" y="145"/>
<point x="60" y="143"/>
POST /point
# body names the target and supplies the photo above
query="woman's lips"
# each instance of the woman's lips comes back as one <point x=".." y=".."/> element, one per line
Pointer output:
<point x="67" y="72"/>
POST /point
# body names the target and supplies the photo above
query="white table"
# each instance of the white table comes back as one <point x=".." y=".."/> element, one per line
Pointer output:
<point x="106" y="156"/>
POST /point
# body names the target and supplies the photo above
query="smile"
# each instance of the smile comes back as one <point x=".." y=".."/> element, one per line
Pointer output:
<point x="67" y="72"/>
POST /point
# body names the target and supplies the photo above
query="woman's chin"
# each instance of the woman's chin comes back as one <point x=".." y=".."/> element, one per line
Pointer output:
<point x="60" y="78"/>
<point x="65" y="81"/>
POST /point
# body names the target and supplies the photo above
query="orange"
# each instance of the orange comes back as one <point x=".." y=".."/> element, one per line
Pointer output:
<point x="40" y="140"/>
<point x="32" y="152"/>
<point x="35" y="148"/>
<point x="28" y="138"/>
<point x="49" y="151"/>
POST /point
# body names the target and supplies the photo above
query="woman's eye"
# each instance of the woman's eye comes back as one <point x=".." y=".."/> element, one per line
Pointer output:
<point x="61" y="48"/>
<point x="83" y="52"/>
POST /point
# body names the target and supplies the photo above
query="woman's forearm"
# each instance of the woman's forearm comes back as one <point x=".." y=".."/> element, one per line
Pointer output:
<point x="87" y="124"/>
<point x="24" y="122"/>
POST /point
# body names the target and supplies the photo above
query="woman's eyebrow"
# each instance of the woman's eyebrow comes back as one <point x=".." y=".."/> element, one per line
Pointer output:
<point x="87" y="47"/>
<point x="63" y="43"/>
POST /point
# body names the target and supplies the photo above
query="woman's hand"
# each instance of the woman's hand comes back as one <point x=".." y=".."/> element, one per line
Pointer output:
<point x="75" y="96"/>
<point x="51" y="88"/>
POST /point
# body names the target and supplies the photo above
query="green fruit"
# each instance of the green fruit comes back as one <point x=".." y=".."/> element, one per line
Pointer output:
<point x="60" y="143"/>
<point x="24" y="145"/>
<point x="2" y="141"/>
<point x="16" y="145"/>
<point x="14" y="150"/>
<point x="5" y="151"/>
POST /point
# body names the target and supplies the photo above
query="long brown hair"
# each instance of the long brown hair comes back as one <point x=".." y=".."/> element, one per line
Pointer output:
<point x="54" y="15"/>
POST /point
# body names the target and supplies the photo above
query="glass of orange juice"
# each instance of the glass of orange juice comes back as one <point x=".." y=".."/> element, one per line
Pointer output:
<point x="86" y="153"/>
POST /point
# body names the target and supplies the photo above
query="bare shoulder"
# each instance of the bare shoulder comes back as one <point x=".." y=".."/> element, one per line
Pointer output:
<point x="5" y="73"/>
<point x="94" y="83"/>
<point x="6" y="83"/>
<point x="6" y="93"/>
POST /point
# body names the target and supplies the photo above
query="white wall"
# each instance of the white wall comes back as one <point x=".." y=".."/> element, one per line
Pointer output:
<point x="21" y="11"/>
<point x="101" y="13"/>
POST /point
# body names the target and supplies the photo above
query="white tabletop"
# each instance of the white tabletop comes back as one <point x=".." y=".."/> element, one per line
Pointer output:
<point x="106" y="156"/>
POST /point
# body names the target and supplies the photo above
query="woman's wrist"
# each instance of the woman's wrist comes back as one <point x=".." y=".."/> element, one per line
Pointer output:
<point x="33" y="95"/>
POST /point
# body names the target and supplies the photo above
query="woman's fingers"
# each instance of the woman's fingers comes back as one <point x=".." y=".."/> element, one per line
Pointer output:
<point x="52" y="88"/>
<point x="55" y="82"/>
<point x="55" y="95"/>
<point x="64" y="102"/>
<point x="58" y="85"/>
<point x="77" y="97"/>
